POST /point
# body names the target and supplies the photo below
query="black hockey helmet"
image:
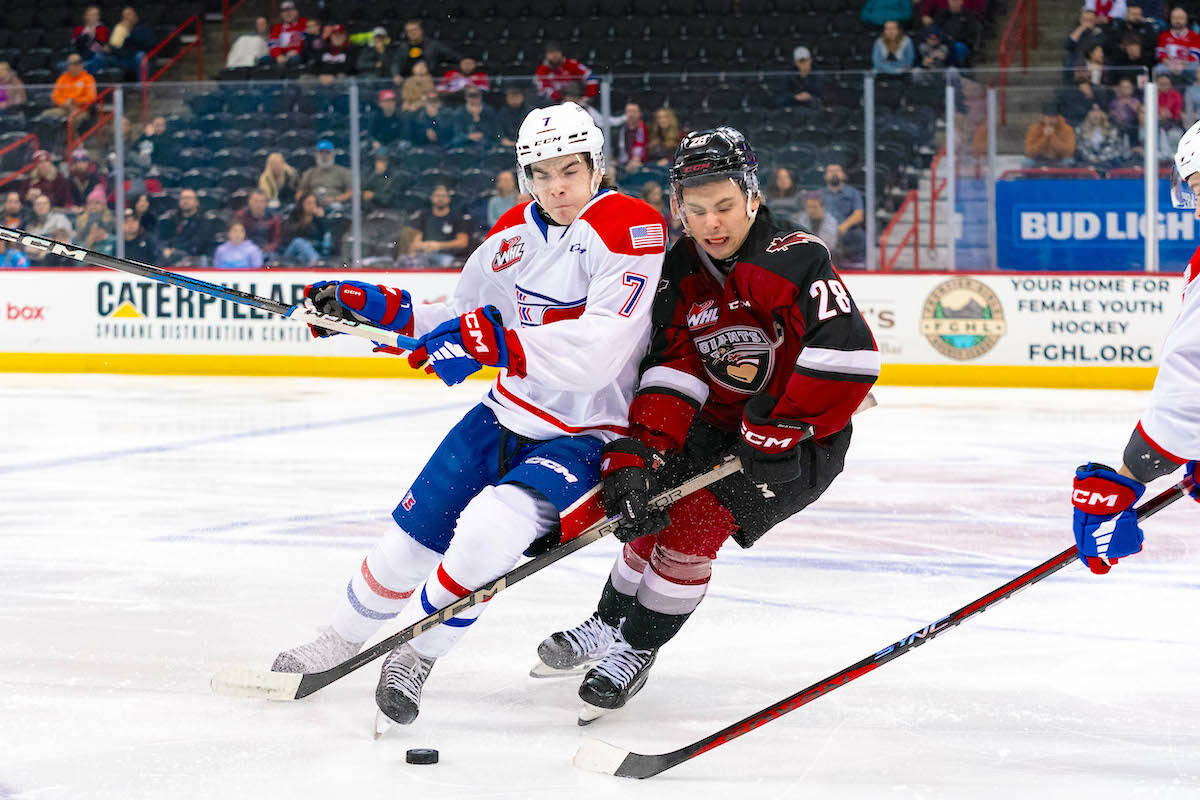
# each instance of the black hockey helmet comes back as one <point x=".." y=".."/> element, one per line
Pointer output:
<point x="710" y="155"/>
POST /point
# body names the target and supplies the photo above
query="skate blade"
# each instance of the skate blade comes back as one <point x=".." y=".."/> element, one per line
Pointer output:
<point x="383" y="724"/>
<point x="589" y="713"/>
<point x="246" y="682"/>
<point x="542" y="671"/>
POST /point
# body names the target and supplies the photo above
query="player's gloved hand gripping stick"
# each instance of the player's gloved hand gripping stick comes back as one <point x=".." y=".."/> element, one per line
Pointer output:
<point x="310" y="315"/>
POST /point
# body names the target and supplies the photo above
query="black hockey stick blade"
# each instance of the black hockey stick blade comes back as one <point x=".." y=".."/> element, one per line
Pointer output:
<point x="598" y="756"/>
<point x="247" y="682"/>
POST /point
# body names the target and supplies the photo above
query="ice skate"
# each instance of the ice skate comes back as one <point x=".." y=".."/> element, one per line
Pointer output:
<point x="573" y="651"/>
<point x="619" y="676"/>
<point x="398" y="694"/>
<point x="326" y="651"/>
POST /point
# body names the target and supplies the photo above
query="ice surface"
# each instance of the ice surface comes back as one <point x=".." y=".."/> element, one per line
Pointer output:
<point x="153" y="528"/>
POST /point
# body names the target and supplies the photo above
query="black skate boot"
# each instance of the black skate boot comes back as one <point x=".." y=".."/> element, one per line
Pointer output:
<point x="573" y="651"/>
<point x="398" y="694"/>
<point x="619" y="676"/>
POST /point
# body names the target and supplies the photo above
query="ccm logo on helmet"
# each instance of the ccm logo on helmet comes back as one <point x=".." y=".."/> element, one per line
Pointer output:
<point x="473" y="330"/>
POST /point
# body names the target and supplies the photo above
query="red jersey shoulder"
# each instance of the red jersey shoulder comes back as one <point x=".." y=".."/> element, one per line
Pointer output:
<point x="795" y="255"/>
<point x="627" y="225"/>
<point x="510" y="219"/>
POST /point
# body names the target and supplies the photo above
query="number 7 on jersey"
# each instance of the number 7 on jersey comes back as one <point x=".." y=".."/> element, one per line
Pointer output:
<point x="638" y="282"/>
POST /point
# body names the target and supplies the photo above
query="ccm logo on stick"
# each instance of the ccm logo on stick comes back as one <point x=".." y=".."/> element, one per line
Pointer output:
<point x="42" y="244"/>
<point x="24" y="312"/>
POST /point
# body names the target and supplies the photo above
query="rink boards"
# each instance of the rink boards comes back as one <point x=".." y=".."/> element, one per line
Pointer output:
<point x="962" y="329"/>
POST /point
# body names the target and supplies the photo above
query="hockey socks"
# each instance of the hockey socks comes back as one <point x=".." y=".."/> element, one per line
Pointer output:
<point x="382" y="585"/>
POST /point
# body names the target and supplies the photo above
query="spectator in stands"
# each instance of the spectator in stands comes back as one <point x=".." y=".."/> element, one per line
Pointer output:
<point x="89" y="40"/>
<point x="804" y="88"/>
<point x="1126" y="106"/>
<point x="632" y="139"/>
<point x="1074" y="102"/>
<point x="1106" y="10"/>
<point x="1086" y="35"/>
<point x="186" y="235"/>
<point x="1170" y="101"/>
<point x="815" y="219"/>
<point x="379" y="189"/>
<point x="250" y="48"/>
<point x="130" y="41"/>
<point x="433" y="124"/>
<point x="1049" y="141"/>
<point x="238" y="252"/>
<point x="929" y="10"/>
<point x="846" y="203"/>
<point x="12" y="90"/>
<point x="387" y="125"/>
<point x="477" y="123"/>
<point x="783" y="195"/>
<point x="415" y="88"/>
<point x="1098" y="143"/>
<point x="418" y="47"/>
<point x="340" y="57"/>
<point x="145" y="144"/>
<point x="1178" y="49"/>
<point x="83" y="177"/>
<point x="376" y="61"/>
<point x="313" y="43"/>
<point x="74" y="94"/>
<point x="1098" y="72"/>
<point x="556" y="71"/>
<point x="15" y="214"/>
<point x="146" y="218"/>
<point x="510" y="115"/>
<point x="95" y="212"/>
<point x="287" y="36"/>
<point x="441" y="233"/>
<point x="653" y="195"/>
<point x="47" y="180"/>
<point x="1133" y="54"/>
<point x="933" y="50"/>
<point x="456" y="82"/>
<point x="572" y="92"/>
<point x="1135" y="23"/>
<point x="307" y="233"/>
<point x="665" y="136"/>
<point x="260" y="224"/>
<point x="504" y="197"/>
<point x="278" y="181"/>
<point x="11" y="258"/>
<point x="49" y="224"/>
<point x="333" y="178"/>
<point x="961" y="30"/>
<point x="893" y="51"/>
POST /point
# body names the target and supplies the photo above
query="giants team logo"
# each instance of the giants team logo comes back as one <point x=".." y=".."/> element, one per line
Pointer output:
<point x="510" y="252"/>
<point x="701" y="315"/>
<point x="740" y="357"/>
<point x="780" y="244"/>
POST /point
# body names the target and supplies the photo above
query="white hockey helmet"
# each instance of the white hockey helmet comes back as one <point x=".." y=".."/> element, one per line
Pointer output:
<point x="1187" y="162"/>
<point x="558" y="131"/>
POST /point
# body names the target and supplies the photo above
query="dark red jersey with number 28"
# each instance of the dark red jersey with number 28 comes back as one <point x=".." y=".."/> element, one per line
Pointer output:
<point x="779" y="320"/>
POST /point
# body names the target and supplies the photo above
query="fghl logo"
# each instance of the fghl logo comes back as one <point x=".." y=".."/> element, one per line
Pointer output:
<point x="962" y="319"/>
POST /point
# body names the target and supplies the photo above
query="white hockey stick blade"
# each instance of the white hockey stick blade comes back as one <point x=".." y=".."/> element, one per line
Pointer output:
<point x="246" y="682"/>
<point x="597" y="756"/>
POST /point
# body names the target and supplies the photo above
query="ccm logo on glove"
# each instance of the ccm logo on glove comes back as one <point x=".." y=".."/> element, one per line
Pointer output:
<point x="1089" y="498"/>
<point x="765" y="442"/>
<point x="473" y="329"/>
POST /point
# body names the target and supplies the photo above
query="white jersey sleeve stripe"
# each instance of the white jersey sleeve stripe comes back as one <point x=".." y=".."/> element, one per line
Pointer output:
<point x="852" y="362"/>
<point x="674" y="379"/>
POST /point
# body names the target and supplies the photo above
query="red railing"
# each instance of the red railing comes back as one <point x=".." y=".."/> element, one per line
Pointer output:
<point x="935" y="191"/>
<point x="914" y="233"/>
<point x="12" y="176"/>
<point x="1020" y="33"/>
<point x="197" y="45"/>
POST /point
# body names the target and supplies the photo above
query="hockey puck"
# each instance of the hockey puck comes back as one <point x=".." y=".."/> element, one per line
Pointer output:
<point x="421" y="755"/>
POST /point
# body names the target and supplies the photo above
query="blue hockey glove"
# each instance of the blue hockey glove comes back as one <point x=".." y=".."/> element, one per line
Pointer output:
<point x="381" y="306"/>
<point x="1193" y="471"/>
<point x="458" y="347"/>
<point x="1106" y="526"/>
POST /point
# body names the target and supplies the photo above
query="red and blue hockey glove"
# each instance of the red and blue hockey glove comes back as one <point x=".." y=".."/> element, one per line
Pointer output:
<point x="1193" y="471"/>
<point x="459" y="347"/>
<point x="769" y="447"/>
<point x="1106" y="526"/>
<point x="381" y="306"/>
<point x="627" y="469"/>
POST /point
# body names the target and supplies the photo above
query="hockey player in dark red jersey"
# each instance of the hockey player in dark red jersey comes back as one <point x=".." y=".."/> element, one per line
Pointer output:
<point x="759" y="351"/>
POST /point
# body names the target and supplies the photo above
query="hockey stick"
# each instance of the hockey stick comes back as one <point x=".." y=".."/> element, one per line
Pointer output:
<point x="298" y="311"/>
<point x="599" y="756"/>
<point x="245" y="682"/>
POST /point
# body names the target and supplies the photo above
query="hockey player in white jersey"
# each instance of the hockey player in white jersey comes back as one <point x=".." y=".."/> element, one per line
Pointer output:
<point x="1168" y="434"/>
<point x="558" y="297"/>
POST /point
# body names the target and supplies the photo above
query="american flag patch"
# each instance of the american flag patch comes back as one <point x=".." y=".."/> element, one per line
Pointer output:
<point x="647" y="236"/>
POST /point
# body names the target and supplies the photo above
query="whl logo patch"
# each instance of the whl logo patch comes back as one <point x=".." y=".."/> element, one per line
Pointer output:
<point x="510" y="252"/>
<point x="701" y="315"/>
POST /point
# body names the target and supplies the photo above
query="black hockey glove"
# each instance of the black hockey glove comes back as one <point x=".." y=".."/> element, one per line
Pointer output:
<point x="627" y="468"/>
<point x="769" y="447"/>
